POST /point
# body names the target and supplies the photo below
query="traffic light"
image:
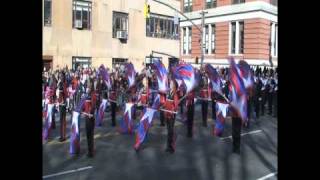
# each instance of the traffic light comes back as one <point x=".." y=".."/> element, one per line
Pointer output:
<point x="146" y="10"/>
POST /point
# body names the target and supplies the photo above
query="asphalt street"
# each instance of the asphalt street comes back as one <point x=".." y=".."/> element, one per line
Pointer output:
<point x="204" y="156"/>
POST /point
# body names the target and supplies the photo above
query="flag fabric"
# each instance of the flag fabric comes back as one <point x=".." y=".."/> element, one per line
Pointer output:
<point x="126" y="123"/>
<point x="239" y="103"/>
<point x="75" y="127"/>
<point x="105" y="75"/>
<point x="246" y="74"/>
<point x="186" y="75"/>
<point x="215" y="78"/>
<point x="130" y="74"/>
<point x="238" y="94"/>
<point x="48" y="121"/>
<point x="75" y="133"/>
<point x="144" y="126"/>
<point x="100" y="112"/>
<point x="146" y="121"/>
<point x="156" y="102"/>
<point x="162" y="75"/>
<point x="235" y="78"/>
<point x="221" y="114"/>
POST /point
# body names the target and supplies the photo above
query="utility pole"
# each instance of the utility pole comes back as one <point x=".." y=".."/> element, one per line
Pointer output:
<point x="199" y="28"/>
<point x="201" y="33"/>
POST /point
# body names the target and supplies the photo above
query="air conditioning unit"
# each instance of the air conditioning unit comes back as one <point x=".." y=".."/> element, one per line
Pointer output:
<point x="122" y="34"/>
<point x="78" y="24"/>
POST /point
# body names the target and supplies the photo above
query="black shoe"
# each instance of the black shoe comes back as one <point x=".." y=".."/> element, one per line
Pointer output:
<point x="162" y="124"/>
<point x="236" y="151"/>
<point x="90" y="155"/>
<point x="62" y="139"/>
<point x="137" y="149"/>
<point x="247" y="124"/>
<point x="170" y="150"/>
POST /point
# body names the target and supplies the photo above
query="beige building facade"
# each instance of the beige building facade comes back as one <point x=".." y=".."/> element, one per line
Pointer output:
<point x="85" y="32"/>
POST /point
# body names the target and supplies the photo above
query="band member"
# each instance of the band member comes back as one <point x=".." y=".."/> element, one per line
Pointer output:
<point x="53" y="85"/>
<point x="213" y="102"/>
<point x="144" y="94"/>
<point x="204" y="100"/>
<point x="170" y="103"/>
<point x="47" y="114"/>
<point x="98" y="90"/>
<point x="257" y="96"/>
<point x="162" y="117"/>
<point x="264" y="91"/>
<point x="270" y="94"/>
<point x="190" y="112"/>
<point x="61" y="100"/>
<point x="75" y="86"/>
<point x="113" y="99"/>
<point x="182" y="103"/>
<point x="236" y="127"/>
<point x="275" y="101"/>
<point x="154" y="94"/>
<point x="132" y="92"/>
<point x="89" y="108"/>
<point x="249" y="105"/>
<point x="236" y="130"/>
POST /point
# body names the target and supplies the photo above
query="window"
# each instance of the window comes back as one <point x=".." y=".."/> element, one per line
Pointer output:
<point x="187" y="6"/>
<point x="206" y="39"/>
<point x="238" y="1"/>
<point x="241" y="37"/>
<point x="120" y="23"/>
<point x="152" y="27"/>
<point x="236" y="38"/>
<point x="116" y="62"/>
<point x="213" y="40"/>
<point x="161" y="27"/>
<point x="184" y="39"/>
<point x="209" y="39"/>
<point x="274" y="40"/>
<point x="81" y="14"/>
<point x="81" y="61"/>
<point x="47" y="12"/>
<point x="186" y="44"/>
<point x="233" y="38"/>
<point x="148" y="26"/>
<point x="189" y="40"/>
<point x="211" y="3"/>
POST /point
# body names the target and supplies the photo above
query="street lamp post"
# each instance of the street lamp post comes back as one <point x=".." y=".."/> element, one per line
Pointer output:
<point x="202" y="25"/>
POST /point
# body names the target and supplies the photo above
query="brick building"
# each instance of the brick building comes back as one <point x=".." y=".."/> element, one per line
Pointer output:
<point x="245" y="29"/>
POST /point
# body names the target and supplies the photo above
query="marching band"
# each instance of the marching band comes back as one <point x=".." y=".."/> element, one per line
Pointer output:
<point x="64" y="89"/>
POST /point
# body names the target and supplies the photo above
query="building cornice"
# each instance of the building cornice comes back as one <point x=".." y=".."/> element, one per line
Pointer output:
<point x="256" y="9"/>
